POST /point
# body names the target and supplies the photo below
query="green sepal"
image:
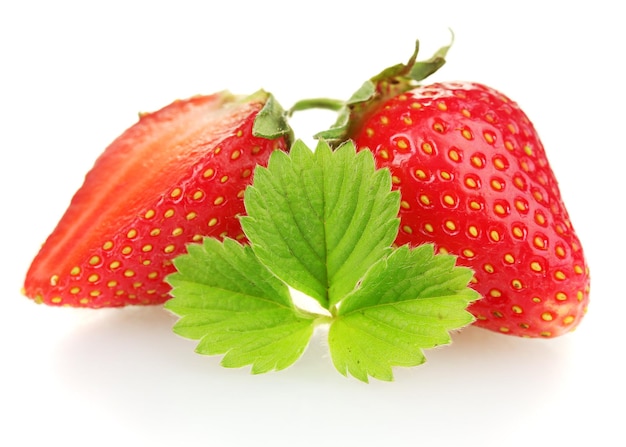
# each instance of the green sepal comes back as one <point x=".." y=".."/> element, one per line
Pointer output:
<point x="271" y="122"/>
<point x="390" y="82"/>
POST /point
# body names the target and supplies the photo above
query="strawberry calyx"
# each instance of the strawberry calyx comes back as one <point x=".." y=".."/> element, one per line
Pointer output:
<point x="390" y="82"/>
<point x="271" y="121"/>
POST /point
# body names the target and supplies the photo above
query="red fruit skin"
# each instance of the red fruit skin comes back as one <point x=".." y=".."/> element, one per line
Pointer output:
<point x="175" y="176"/>
<point x="475" y="181"/>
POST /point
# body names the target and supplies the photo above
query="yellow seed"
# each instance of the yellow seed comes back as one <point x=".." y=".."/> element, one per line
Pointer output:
<point x="497" y="185"/>
<point x="108" y="245"/>
<point x="499" y="209"/>
<point x="56" y="300"/>
<point x="442" y="106"/>
<point x="416" y="105"/>
<point x="540" y="218"/>
<point x="517" y="309"/>
<point x="198" y="195"/>
<point x="127" y="250"/>
<point x="155" y="232"/>
<point x="471" y="183"/>
<point x="407" y="229"/>
<point x="177" y="231"/>
<point x="450" y="225"/>
<point x="83" y="300"/>
<point x="405" y="205"/>
<point x="370" y="132"/>
<point x="112" y="284"/>
<point x="477" y="161"/>
<point x="518" y="232"/>
<point x="93" y="278"/>
<point x="239" y="134"/>
<point x="176" y="192"/>
<point x="569" y="319"/>
<point x="466" y="113"/>
<point x="449" y="200"/>
<point x="536" y="266"/>
<point x="149" y="214"/>
<point x="499" y="164"/>
<point x="402" y="144"/>
<point x="489" y="138"/>
<point x="546" y="334"/>
<point x="454" y="155"/>
<point x="75" y="290"/>
<point x="245" y="174"/>
<point x="407" y="120"/>
<point x="428" y="228"/>
<point x="224" y="178"/>
<point x="560" y="251"/>
<point x="475" y="205"/>
<point x="153" y="275"/>
<point x="509" y="258"/>
<point x="495" y="293"/>
<point x="384" y="154"/>
<point x="445" y="175"/>
<point x="580" y="295"/>
<point x="169" y="213"/>
<point x="467" y="134"/>
<point x="427" y="148"/>
<point x="212" y="222"/>
<point x="191" y="216"/>
<point x="114" y="264"/>
<point x="489" y="268"/>
<point x="129" y="273"/>
<point x="132" y="233"/>
<point x="384" y="120"/>
<point x="438" y="127"/>
<point x="504" y="329"/>
<point x="425" y="199"/>
<point x="517" y="284"/>
<point x="528" y="150"/>
<point x="559" y="275"/>
<point x="218" y="201"/>
<point x="420" y="174"/>
<point x="75" y="271"/>
<point x="578" y="269"/>
<point x="94" y="293"/>
<point x="509" y="145"/>
<point x="395" y="180"/>
<point x="468" y="253"/>
<point x="208" y="173"/>
<point x="235" y="155"/>
<point x="169" y="248"/>
<point x="539" y="242"/>
<point x="536" y="299"/>
<point x="494" y="235"/>
<point x="473" y="231"/>
<point x="547" y="316"/>
<point x="146" y="248"/>
<point x="54" y="280"/>
<point x="561" y="296"/>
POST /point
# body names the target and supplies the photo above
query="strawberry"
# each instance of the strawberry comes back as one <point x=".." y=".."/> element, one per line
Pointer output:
<point x="175" y="176"/>
<point x="475" y="181"/>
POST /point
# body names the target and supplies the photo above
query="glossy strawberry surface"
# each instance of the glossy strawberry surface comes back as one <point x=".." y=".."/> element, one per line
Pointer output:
<point x="175" y="176"/>
<point x="475" y="181"/>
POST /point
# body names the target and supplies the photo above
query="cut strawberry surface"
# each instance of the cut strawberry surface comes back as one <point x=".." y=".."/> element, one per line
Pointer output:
<point x="175" y="176"/>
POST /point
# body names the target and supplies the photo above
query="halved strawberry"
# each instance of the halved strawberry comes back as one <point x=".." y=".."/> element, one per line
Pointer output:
<point x="175" y="176"/>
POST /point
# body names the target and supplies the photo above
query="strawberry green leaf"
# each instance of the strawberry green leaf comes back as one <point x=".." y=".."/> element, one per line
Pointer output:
<point x="234" y="306"/>
<point x="406" y="302"/>
<point x="318" y="220"/>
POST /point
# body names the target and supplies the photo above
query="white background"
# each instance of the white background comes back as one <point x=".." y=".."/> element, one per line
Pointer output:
<point x="74" y="75"/>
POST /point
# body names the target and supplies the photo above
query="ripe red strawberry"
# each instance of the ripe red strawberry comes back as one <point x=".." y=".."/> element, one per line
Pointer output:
<point x="475" y="181"/>
<point x="176" y="175"/>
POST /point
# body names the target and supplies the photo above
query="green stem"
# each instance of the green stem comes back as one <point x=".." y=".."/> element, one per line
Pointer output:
<point x="316" y="103"/>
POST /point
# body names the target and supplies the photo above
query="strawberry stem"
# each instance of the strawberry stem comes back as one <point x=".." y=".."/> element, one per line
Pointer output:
<point x="317" y="103"/>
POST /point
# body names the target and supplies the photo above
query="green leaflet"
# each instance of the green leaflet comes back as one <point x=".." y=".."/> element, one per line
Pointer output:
<point x="321" y="222"/>
<point x="318" y="220"/>
<point x="235" y="306"/>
